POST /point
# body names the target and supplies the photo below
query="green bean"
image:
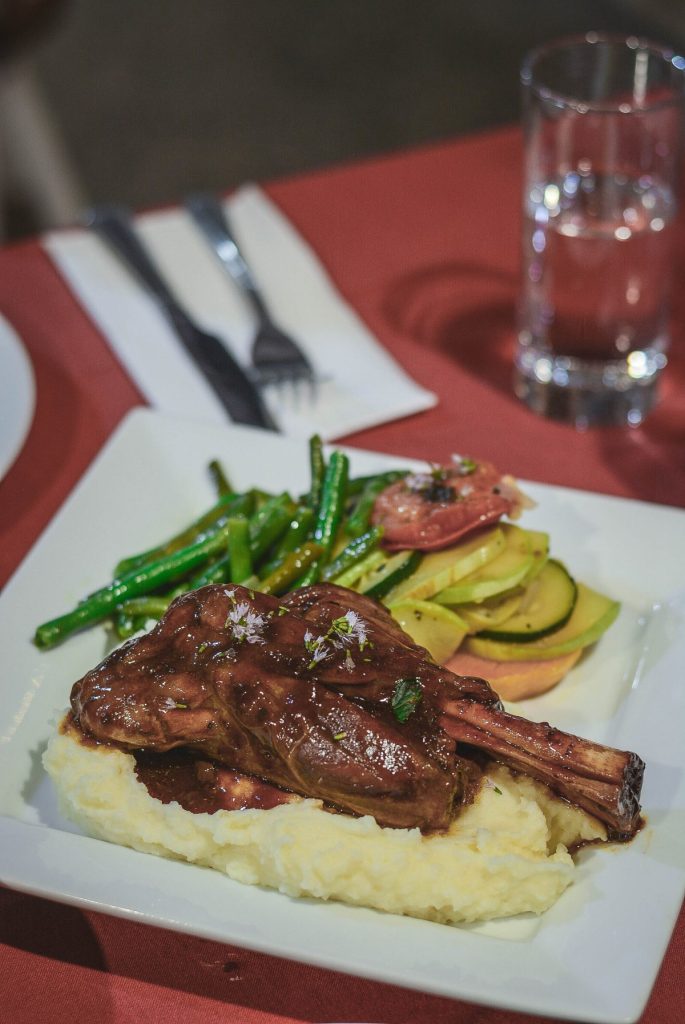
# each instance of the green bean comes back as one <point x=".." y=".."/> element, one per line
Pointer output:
<point x="298" y="531"/>
<point x="332" y="501"/>
<point x="218" y="571"/>
<point x="251" y="583"/>
<point x="219" y="479"/>
<point x="329" y="514"/>
<point x="265" y="526"/>
<point x="357" y="484"/>
<point x="355" y="572"/>
<point x="300" y="526"/>
<point x="290" y="568"/>
<point x="358" y="522"/>
<point x="126" y="625"/>
<point x="210" y="521"/>
<point x="261" y="497"/>
<point x="140" y="581"/>
<point x="353" y="553"/>
<point x="269" y="523"/>
<point x="311" y="575"/>
<point x="148" y="607"/>
<point x="239" y="554"/>
<point x="317" y="469"/>
<point x="133" y="614"/>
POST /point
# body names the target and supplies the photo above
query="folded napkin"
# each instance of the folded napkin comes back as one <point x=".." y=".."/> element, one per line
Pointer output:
<point x="360" y="384"/>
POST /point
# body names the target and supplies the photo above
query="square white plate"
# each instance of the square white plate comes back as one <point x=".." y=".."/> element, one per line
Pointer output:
<point x="593" y="957"/>
<point x="17" y="395"/>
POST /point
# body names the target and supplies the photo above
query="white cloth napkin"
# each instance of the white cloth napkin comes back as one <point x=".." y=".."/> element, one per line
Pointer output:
<point x="361" y="385"/>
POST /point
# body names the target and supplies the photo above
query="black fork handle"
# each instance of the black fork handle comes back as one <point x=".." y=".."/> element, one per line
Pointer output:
<point x="210" y="216"/>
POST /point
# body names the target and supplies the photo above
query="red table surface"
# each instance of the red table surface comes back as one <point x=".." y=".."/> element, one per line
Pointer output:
<point x="425" y="246"/>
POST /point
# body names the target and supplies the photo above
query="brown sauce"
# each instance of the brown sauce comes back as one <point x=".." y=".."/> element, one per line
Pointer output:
<point x="200" y="786"/>
<point x="197" y="784"/>
<point x="619" y="838"/>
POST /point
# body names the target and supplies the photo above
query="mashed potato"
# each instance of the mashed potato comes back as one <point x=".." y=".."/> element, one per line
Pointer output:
<point x="505" y="854"/>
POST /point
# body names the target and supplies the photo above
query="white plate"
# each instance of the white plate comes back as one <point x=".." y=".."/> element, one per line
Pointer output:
<point x="592" y="957"/>
<point x="17" y="395"/>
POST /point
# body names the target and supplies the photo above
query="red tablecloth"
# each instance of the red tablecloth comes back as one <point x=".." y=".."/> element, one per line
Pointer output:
<point x="425" y="246"/>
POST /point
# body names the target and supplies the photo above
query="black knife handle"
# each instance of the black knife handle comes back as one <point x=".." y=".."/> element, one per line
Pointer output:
<point x="227" y="378"/>
<point x="114" y="225"/>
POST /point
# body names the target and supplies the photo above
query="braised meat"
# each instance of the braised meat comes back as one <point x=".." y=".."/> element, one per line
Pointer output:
<point x="322" y="694"/>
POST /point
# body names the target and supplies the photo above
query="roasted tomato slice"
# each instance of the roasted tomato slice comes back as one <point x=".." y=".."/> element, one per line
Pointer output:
<point x="432" y="510"/>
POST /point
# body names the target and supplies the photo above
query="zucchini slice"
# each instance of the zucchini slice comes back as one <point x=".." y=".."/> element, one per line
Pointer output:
<point x="504" y="572"/>
<point x="431" y="626"/>
<point x="351" y="577"/>
<point x="482" y="615"/>
<point x="389" y="573"/>
<point x="592" y="615"/>
<point x="539" y="546"/>
<point x="546" y="605"/>
<point x="439" y="569"/>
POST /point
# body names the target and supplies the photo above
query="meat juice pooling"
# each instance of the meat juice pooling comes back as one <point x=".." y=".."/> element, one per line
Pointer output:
<point x="603" y="122"/>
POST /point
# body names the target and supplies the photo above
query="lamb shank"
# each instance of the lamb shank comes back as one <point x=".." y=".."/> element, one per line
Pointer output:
<point x="322" y="694"/>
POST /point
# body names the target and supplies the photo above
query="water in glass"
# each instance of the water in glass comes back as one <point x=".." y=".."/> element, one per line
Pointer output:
<point x="597" y="255"/>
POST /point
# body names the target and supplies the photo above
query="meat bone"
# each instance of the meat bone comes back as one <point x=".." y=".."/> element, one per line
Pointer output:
<point x="266" y="705"/>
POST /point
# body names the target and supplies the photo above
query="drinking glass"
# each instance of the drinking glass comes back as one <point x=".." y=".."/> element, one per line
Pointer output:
<point x="603" y="124"/>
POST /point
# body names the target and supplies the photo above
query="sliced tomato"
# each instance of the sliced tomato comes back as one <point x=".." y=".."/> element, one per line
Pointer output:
<point x="428" y="511"/>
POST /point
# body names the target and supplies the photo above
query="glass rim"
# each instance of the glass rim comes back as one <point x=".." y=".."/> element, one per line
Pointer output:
<point x="631" y="42"/>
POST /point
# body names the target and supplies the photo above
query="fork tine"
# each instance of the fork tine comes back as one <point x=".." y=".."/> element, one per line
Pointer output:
<point x="275" y="355"/>
<point x="294" y="385"/>
<point x="286" y="377"/>
<point x="302" y="388"/>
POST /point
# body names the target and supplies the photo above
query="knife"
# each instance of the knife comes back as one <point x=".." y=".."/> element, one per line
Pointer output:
<point x="232" y="386"/>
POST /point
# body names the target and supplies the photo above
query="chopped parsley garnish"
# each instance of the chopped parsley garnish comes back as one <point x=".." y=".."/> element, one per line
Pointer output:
<point x="405" y="698"/>
<point x="228" y="652"/>
<point x="432" y="486"/>
<point x="442" y="493"/>
<point x="463" y="465"/>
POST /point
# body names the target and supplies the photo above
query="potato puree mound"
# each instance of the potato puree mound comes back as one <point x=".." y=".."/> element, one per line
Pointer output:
<point x="504" y="855"/>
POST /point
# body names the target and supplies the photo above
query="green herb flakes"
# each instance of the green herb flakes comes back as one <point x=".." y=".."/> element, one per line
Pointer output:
<point x="405" y="698"/>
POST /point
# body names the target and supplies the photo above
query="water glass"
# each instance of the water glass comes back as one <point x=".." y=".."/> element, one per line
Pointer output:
<point x="603" y="123"/>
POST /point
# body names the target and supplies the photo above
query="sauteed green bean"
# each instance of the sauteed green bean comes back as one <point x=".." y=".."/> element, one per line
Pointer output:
<point x="270" y="541"/>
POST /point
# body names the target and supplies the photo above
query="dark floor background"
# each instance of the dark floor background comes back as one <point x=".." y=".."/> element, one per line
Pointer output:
<point x="158" y="97"/>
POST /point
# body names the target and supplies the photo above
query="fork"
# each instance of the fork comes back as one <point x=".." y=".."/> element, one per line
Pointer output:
<point x="276" y="357"/>
<point x="232" y="385"/>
